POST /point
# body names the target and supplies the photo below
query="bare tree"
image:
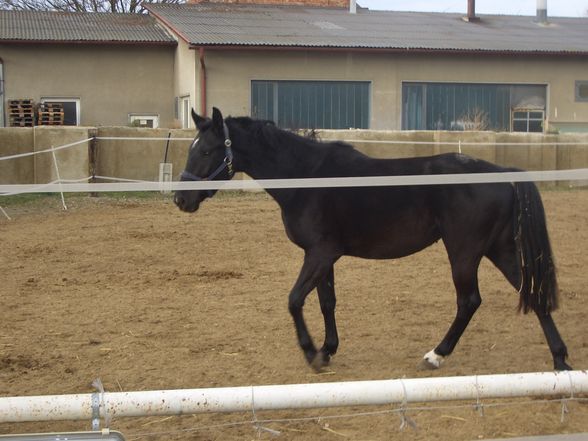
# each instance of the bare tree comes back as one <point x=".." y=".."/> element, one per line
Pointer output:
<point x="79" y="5"/>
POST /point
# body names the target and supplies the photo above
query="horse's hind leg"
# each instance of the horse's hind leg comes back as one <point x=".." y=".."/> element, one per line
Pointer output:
<point x="465" y="278"/>
<point x="327" y="299"/>
<point x="506" y="261"/>
<point x="556" y="345"/>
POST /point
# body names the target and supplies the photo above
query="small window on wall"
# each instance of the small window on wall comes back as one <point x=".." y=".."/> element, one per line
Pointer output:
<point x="184" y="111"/>
<point x="527" y="120"/>
<point x="139" y="120"/>
<point x="582" y="91"/>
<point x="71" y="109"/>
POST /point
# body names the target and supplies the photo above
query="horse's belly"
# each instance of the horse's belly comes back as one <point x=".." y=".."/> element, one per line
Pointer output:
<point x="392" y="241"/>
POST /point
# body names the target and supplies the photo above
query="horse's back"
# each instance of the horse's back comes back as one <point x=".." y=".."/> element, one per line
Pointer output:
<point x="395" y="221"/>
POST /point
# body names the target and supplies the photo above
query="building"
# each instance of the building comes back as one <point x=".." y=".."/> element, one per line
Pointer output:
<point x="321" y="64"/>
<point x="104" y="69"/>
<point x="343" y="66"/>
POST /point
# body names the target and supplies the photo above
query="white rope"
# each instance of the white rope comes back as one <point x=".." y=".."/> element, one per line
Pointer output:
<point x="58" y="178"/>
<point x="404" y="419"/>
<point x="258" y="427"/>
<point x="109" y="178"/>
<point x="122" y="138"/>
<point x="479" y="406"/>
<point x="5" y="213"/>
<point x="366" y="181"/>
<point x="52" y="149"/>
<point x="458" y="143"/>
<point x="508" y="404"/>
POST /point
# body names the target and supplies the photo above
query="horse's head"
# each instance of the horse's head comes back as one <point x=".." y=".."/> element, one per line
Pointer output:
<point x="210" y="157"/>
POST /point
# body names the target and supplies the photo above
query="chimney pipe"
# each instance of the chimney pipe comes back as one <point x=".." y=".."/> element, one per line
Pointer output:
<point x="471" y="12"/>
<point x="542" y="11"/>
<point x="352" y="6"/>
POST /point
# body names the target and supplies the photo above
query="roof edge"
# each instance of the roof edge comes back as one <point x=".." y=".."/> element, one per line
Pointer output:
<point x="166" y="23"/>
<point x="89" y="42"/>
<point x="399" y="50"/>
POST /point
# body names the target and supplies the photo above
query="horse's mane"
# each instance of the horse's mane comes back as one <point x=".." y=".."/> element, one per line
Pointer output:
<point x="272" y="138"/>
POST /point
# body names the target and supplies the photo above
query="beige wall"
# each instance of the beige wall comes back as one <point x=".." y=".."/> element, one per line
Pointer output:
<point x="135" y="159"/>
<point x="111" y="81"/>
<point x="230" y="74"/>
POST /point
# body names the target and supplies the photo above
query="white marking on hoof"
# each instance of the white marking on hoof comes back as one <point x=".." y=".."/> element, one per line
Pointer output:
<point x="433" y="360"/>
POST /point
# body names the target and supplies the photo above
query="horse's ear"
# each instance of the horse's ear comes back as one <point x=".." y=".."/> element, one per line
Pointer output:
<point x="217" y="120"/>
<point x="198" y="120"/>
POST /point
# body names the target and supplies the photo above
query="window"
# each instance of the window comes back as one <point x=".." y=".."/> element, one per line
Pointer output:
<point x="140" y="120"/>
<point x="312" y="104"/>
<point x="184" y="111"/>
<point x="465" y="106"/>
<point x="582" y="91"/>
<point x="527" y="120"/>
<point x="71" y="109"/>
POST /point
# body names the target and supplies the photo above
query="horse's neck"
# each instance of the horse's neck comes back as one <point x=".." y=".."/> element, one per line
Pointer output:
<point x="281" y="163"/>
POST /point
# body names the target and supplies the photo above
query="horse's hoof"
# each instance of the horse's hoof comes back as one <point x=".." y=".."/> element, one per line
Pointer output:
<point x="562" y="366"/>
<point x="320" y="360"/>
<point x="430" y="361"/>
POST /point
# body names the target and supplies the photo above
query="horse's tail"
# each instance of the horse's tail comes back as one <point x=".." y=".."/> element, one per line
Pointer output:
<point x="538" y="290"/>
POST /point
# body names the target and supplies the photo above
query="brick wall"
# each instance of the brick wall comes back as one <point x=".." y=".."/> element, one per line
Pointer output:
<point x="321" y="3"/>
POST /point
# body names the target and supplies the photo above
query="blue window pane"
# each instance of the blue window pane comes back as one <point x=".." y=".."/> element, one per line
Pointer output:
<point x="312" y="104"/>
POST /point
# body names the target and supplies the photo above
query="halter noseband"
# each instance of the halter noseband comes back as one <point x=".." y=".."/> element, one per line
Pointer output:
<point x="226" y="164"/>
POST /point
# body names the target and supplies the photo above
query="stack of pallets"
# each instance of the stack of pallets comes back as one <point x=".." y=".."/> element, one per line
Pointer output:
<point x="50" y="114"/>
<point x="21" y="113"/>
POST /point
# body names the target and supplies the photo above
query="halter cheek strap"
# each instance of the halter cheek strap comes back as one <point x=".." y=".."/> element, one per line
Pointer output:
<point x="226" y="164"/>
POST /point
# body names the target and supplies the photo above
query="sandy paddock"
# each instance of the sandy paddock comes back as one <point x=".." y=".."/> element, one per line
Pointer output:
<point x="145" y="297"/>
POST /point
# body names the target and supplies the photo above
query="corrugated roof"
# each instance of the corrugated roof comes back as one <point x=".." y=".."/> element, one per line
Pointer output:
<point x="290" y="26"/>
<point x="45" y="26"/>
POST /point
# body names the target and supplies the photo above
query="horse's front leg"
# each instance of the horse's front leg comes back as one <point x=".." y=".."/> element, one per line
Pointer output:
<point x="315" y="268"/>
<point x="327" y="299"/>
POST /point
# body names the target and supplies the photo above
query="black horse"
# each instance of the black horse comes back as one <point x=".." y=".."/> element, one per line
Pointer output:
<point x="501" y="221"/>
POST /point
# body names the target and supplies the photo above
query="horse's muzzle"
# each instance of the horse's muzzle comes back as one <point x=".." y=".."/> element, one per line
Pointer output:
<point x="189" y="205"/>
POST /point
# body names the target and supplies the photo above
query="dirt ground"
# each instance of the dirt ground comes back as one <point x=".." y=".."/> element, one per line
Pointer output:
<point x="144" y="297"/>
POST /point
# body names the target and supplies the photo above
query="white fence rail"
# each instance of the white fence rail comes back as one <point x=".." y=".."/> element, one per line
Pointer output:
<point x="295" y="396"/>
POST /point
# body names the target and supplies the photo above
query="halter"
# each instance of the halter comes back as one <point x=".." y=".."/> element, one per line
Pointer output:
<point x="227" y="163"/>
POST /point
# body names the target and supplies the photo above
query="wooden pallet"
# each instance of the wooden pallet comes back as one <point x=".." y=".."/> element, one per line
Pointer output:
<point x="16" y="112"/>
<point x="21" y="113"/>
<point x="21" y="103"/>
<point x="51" y="106"/>
<point x="22" y="122"/>
<point x="45" y="118"/>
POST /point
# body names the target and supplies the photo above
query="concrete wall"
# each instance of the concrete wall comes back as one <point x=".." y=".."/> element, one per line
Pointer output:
<point x="230" y="73"/>
<point x="134" y="159"/>
<point x="140" y="159"/>
<point x="111" y="81"/>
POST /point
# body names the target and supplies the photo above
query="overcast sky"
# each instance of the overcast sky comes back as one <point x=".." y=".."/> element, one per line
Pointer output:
<point x="561" y="8"/>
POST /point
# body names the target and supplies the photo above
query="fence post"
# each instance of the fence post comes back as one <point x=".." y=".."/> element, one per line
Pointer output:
<point x="93" y="158"/>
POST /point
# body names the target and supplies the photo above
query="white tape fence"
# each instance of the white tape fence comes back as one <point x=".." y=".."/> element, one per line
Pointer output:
<point x="129" y="185"/>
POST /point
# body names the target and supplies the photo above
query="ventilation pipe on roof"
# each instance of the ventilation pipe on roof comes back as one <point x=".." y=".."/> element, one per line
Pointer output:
<point x="542" y="11"/>
<point x="352" y="6"/>
<point x="471" y="12"/>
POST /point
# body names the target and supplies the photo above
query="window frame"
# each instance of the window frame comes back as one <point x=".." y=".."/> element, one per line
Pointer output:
<point x="58" y="99"/>
<point x="144" y="116"/>
<point x="528" y="119"/>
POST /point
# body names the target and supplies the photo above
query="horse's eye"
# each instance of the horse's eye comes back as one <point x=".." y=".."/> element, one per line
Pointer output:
<point x="205" y="153"/>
